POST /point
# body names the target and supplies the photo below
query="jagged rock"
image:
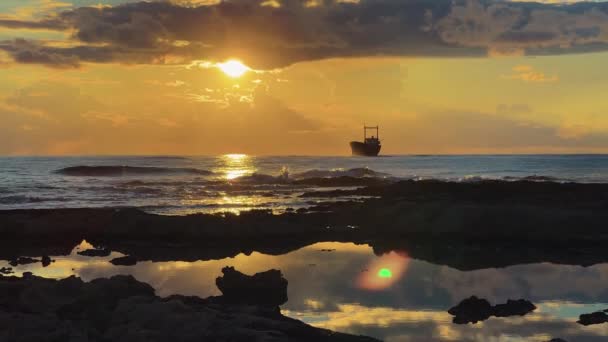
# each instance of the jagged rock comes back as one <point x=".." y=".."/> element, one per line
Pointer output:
<point x="473" y="309"/>
<point x="124" y="261"/>
<point x="122" y="309"/>
<point x="46" y="261"/>
<point x="95" y="252"/>
<point x="23" y="261"/>
<point x="598" y="317"/>
<point x="518" y="307"/>
<point x="265" y="288"/>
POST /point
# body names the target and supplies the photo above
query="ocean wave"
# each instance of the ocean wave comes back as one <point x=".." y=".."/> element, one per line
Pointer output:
<point x="529" y="178"/>
<point x="165" y="157"/>
<point x="21" y="199"/>
<point x="114" y="170"/>
<point x="324" y="178"/>
<point x="358" y="172"/>
<point x="260" y="178"/>
<point x="350" y="177"/>
<point x="473" y="179"/>
<point x="535" y="178"/>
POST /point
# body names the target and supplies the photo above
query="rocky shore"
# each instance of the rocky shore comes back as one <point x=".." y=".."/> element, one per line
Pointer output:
<point x="122" y="309"/>
<point x="526" y="221"/>
<point x="462" y="225"/>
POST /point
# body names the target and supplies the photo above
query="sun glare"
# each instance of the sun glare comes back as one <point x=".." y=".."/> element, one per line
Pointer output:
<point x="233" y="68"/>
<point x="236" y="165"/>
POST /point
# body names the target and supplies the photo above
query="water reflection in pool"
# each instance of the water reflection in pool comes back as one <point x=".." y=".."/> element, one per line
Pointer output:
<point x="345" y="287"/>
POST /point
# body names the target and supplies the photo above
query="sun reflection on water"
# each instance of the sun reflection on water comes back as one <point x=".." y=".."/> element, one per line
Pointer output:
<point x="235" y="165"/>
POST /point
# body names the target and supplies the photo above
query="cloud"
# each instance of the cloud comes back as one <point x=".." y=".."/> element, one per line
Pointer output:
<point x="526" y="73"/>
<point x="47" y="24"/>
<point x="292" y="31"/>
<point x="28" y="52"/>
<point x="537" y="28"/>
<point x="67" y="119"/>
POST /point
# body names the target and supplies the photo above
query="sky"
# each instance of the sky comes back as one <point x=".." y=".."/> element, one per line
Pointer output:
<point x="92" y="77"/>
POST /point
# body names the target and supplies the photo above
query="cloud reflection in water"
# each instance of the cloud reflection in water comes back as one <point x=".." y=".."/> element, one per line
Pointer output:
<point x="391" y="297"/>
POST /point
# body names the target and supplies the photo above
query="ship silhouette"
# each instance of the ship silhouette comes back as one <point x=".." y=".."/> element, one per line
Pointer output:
<point x="370" y="147"/>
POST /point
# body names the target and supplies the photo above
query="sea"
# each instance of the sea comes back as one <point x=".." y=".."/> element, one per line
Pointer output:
<point x="344" y="287"/>
<point x="180" y="185"/>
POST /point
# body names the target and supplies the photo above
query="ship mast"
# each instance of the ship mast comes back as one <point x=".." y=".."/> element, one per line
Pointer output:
<point x="365" y="128"/>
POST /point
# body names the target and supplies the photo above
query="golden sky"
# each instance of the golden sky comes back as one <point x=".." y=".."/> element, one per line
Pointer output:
<point x="129" y="77"/>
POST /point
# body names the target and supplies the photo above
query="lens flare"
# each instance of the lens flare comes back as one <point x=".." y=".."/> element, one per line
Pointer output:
<point x="384" y="272"/>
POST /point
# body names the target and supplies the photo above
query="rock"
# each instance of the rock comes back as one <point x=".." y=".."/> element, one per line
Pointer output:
<point x="95" y="252"/>
<point x="518" y="307"/>
<point x="557" y="340"/>
<point x="529" y="221"/>
<point x="6" y="270"/>
<point x="598" y="317"/>
<point x="23" y="261"/>
<point x="471" y="310"/>
<point x="46" y="261"/>
<point x="265" y="288"/>
<point x="122" y="309"/>
<point x="124" y="261"/>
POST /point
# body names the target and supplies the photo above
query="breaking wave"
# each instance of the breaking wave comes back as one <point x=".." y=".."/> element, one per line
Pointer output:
<point x="358" y="172"/>
<point x="535" y="178"/>
<point x="530" y="178"/>
<point x="113" y="170"/>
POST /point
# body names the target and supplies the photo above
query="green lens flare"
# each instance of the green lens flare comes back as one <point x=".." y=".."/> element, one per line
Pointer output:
<point x="385" y="273"/>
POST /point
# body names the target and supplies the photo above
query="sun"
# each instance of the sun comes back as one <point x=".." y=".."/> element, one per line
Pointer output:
<point x="233" y="68"/>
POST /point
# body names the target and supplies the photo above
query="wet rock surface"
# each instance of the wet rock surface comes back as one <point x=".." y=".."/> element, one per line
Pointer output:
<point x="124" y="261"/>
<point x="23" y="261"/>
<point x="597" y="317"/>
<point x="96" y="252"/>
<point x="518" y="307"/>
<point x="267" y="288"/>
<point x="46" y="261"/>
<point x="526" y="221"/>
<point x="473" y="309"/>
<point x="122" y="309"/>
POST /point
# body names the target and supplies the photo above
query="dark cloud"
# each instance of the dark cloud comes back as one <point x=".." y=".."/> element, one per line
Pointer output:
<point x="27" y="52"/>
<point x="525" y="37"/>
<point x="48" y="24"/>
<point x="267" y="36"/>
<point x="32" y="52"/>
